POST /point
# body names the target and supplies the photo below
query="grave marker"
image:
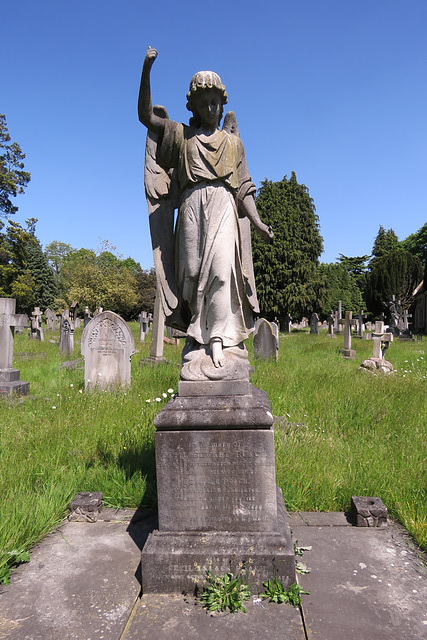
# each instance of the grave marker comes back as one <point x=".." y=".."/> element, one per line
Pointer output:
<point x="66" y="334"/>
<point x="314" y="324"/>
<point x="266" y="342"/>
<point x="9" y="320"/>
<point x="348" y="352"/>
<point x="381" y="342"/>
<point x="360" y="326"/>
<point x="107" y="346"/>
<point x="330" y="333"/>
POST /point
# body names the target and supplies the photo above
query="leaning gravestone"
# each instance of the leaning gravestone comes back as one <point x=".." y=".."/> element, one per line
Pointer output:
<point x="107" y="346"/>
<point x="217" y="498"/>
<point x="66" y="334"/>
<point x="37" y="332"/>
<point x="314" y="323"/>
<point x="266" y="342"/>
<point x="9" y="377"/>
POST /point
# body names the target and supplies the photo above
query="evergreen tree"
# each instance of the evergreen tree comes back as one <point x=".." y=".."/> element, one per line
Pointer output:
<point x="45" y="289"/>
<point x="13" y="178"/>
<point x="396" y="273"/>
<point x="357" y="269"/>
<point x="286" y="272"/>
<point x="338" y="284"/>
<point x="416" y="243"/>
<point x="385" y="242"/>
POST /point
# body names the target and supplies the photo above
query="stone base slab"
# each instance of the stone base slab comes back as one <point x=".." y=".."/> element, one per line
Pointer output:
<point x="11" y="385"/>
<point x="173" y="562"/>
<point x="250" y="411"/>
<point x="348" y="353"/>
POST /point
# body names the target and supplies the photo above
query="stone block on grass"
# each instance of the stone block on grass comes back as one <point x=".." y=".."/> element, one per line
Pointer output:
<point x="86" y="506"/>
<point x="368" y="512"/>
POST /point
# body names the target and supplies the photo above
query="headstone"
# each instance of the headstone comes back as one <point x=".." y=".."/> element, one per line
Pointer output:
<point x="9" y="377"/>
<point x="348" y="352"/>
<point x="406" y="333"/>
<point x="73" y="314"/>
<point x="86" y="317"/>
<point x="338" y="320"/>
<point x="66" y="334"/>
<point x="143" y="325"/>
<point x="37" y="332"/>
<point x="314" y="323"/>
<point x="50" y="318"/>
<point x="107" y="346"/>
<point x="381" y="342"/>
<point x="330" y="333"/>
<point x="158" y="331"/>
<point x="266" y="343"/>
<point x="360" y="326"/>
<point x="287" y="323"/>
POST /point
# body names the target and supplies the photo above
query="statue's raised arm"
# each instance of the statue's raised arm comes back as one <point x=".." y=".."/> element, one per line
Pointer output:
<point x="145" y="108"/>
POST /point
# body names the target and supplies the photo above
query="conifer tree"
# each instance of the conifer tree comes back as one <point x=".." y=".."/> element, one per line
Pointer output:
<point x="286" y="272"/>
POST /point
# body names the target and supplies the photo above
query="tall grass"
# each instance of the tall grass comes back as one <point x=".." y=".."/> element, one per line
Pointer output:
<point x="344" y="433"/>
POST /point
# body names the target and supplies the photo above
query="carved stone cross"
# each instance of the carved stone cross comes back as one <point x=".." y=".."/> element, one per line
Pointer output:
<point x="8" y="321"/>
<point x="347" y="352"/>
<point x="361" y="317"/>
<point x="381" y="340"/>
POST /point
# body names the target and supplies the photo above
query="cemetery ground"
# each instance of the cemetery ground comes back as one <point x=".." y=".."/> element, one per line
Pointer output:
<point x="342" y="432"/>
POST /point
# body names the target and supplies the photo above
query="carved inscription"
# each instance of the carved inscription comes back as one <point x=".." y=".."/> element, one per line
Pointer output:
<point x="107" y="337"/>
<point x="217" y="482"/>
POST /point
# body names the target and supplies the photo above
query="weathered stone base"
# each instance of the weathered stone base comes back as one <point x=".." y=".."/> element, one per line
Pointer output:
<point x="172" y="562"/>
<point x="11" y="385"/>
<point x="368" y="512"/>
<point x="377" y="365"/>
<point x="348" y="353"/>
<point x="214" y="411"/>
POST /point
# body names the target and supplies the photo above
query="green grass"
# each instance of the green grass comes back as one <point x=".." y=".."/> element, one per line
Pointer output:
<point x="352" y="433"/>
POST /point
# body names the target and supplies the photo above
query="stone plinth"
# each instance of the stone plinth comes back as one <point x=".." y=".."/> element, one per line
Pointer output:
<point x="171" y="562"/>
<point x="217" y="495"/>
<point x="368" y="512"/>
<point x="216" y="480"/>
<point x="11" y="385"/>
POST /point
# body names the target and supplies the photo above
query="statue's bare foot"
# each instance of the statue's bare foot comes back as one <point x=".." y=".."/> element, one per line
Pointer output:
<point x="218" y="356"/>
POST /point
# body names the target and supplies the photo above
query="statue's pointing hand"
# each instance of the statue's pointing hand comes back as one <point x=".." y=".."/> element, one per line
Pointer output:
<point x="150" y="56"/>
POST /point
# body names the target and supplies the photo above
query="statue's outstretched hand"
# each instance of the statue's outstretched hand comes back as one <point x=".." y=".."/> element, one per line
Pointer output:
<point x="265" y="231"/>
<point x="150" y="56"/>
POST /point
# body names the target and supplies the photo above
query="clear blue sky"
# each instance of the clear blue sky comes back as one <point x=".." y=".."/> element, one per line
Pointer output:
<point x="335" y="90"/>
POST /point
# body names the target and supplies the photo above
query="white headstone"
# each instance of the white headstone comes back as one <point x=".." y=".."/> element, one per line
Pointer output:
<point x="107" y="346"/>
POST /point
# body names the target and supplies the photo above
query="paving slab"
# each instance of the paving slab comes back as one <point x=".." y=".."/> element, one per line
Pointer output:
<point x="81" y="582"/>
<point x="182" y="618"/>
<point x="364" y="583"/>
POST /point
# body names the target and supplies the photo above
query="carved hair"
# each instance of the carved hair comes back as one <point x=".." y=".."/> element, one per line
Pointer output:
<point x="200" y="81"/>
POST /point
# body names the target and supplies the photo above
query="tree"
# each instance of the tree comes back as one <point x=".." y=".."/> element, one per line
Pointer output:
<point x="385" y="242"/>
<point x="45" y="289"/>
<point x="13" y="178"/>
<point x="357" y="269"/>
<point x="337" y="284"/>
<point x="416" y="243"/>
<point x="100" y="280"/>
<point x="286" y="270"/>
<point x="57" y="253"/>
<point x="396" y="273"/>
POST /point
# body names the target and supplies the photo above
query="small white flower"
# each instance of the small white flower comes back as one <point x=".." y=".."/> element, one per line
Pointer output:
<point x="170" y="390"/>
<point x="71" y="385"/>
<point x="80" y="391"/>
<point x="54" y="407"/>
<point x="57" y="395"/>
<point x="148" y="400"/>
<point x="100" y="374"/>
<point x="165" y="395"/>
<point x="158" y="399"/>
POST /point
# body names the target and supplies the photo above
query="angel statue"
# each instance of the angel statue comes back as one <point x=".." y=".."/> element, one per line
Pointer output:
<point x="204" y="267"/>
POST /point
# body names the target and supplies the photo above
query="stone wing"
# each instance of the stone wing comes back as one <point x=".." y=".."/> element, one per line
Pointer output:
<point x="162" y="193"/>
